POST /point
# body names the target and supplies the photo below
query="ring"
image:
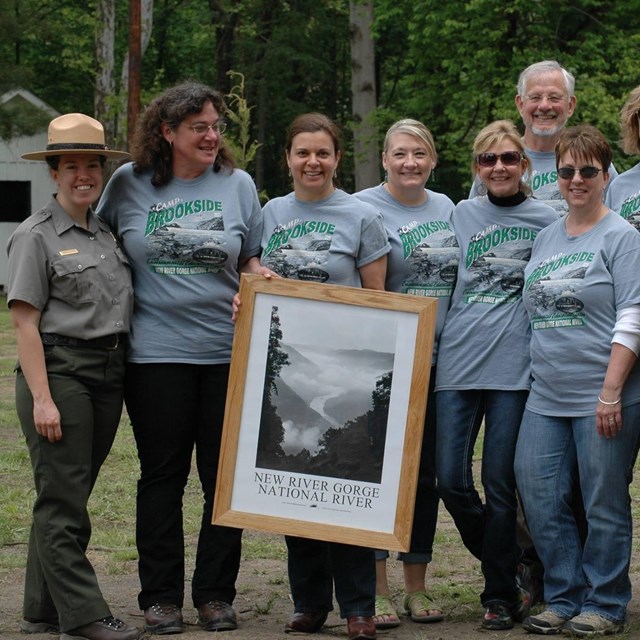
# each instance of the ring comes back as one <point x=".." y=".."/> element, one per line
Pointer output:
<point x="612" y="420"/>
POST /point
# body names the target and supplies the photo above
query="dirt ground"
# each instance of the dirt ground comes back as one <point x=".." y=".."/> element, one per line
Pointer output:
<point x="263" y="603"/>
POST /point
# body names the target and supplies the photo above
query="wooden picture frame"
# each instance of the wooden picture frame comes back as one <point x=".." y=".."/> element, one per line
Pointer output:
<point x="325" y="412"/>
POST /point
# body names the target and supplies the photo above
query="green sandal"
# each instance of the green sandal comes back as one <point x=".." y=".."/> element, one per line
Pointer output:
<point x="385" y="609"/>
<point x="419" y="607"/>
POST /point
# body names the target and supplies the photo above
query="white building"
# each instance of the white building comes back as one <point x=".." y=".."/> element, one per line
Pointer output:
<point x="25" y="186"/>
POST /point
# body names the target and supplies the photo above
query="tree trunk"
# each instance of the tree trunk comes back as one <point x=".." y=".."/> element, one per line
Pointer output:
<point x="363" y="90"/>
<point x="146" y="20"/>
<point x="103" y="111"/>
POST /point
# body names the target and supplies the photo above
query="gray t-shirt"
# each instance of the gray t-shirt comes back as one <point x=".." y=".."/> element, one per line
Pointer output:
<point x="322" y="240"/>
<point x="184" y="241"/>
<point x="574" y="285"/>
<point x="623" y="195"/>
<point x="485" y="340"/>
<point x="424" y="250"/>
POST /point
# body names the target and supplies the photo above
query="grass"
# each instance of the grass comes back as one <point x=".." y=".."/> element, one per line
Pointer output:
<point x="112" y="504"/>
<point x="455" y="577"/>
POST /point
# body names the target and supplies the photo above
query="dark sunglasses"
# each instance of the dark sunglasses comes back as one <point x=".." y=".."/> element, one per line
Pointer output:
<point x="586" y="173"/>
<point x="508" y="159"/>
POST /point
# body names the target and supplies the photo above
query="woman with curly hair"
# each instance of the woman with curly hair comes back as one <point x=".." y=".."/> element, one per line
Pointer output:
<point x="188" y="220"/>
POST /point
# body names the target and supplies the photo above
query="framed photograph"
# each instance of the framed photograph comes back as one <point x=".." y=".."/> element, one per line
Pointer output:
<point x="325" y="412"/>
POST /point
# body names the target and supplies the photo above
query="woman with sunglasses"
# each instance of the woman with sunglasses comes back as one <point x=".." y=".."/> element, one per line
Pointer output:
<point x="483" y="363"/>
<point x="423" y="261"/>
<point x="582" y="418"/>
<point x="623" y="194"/>
<point x="188" y="221"/>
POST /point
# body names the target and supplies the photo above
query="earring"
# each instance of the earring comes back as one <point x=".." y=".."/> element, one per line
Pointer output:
<point x="386" y="176"/>
<point x="290" y="172"/>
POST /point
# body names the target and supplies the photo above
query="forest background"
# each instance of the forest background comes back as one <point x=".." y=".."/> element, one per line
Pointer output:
<point x="452" y="64"/>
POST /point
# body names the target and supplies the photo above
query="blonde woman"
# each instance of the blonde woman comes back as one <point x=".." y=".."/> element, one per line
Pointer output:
<point x="483" y="364"/>
<point x="423" y="261"/>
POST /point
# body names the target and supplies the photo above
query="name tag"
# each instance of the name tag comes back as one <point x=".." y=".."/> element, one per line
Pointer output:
<point x="68" y="252"/>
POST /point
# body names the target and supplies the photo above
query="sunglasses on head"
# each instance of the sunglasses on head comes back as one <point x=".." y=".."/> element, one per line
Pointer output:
<point x="508" y="159"/>
<point x="586" y="173"/>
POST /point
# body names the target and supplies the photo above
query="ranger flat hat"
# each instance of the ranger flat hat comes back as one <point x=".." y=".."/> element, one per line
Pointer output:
<point x="75" y="133"/>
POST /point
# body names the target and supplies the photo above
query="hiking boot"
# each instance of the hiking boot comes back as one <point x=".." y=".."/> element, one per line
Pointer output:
<point x="546" y="623"/>
<point x="591" y="624"/>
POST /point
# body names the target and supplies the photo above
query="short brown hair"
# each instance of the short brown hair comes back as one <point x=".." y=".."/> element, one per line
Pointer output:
<point x="584" y="142"/>
<point x="311" y="123"/>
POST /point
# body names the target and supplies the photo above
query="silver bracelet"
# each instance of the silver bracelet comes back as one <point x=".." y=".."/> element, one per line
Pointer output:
<point x="609" y="404"/>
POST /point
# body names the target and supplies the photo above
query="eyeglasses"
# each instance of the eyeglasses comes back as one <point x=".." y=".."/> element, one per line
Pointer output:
<point x="586" y="173"/>
<point x="217" y="127"/>
<point x="508" y="159"/>
<point x="553" y="98"/>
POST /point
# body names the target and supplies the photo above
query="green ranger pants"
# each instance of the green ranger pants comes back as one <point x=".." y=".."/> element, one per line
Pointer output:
<point x="87" y="386"/>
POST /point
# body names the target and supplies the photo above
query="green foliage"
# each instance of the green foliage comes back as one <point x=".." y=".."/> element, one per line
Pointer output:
<point x="459" y="68"/>
<point x="453" y="65"/>
<point x="244" y="149"/>
<point x="20" y="118"/>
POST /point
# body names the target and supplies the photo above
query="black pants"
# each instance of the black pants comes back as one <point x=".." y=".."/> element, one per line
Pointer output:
<point x="172" y="408"/>
<point x="316" y="566"/>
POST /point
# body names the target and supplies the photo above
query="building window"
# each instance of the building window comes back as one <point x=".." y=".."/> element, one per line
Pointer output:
<point x="15" y="200"/>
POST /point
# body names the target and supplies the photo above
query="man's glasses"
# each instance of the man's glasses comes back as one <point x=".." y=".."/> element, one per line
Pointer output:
<point x="553" y="98"/>
<point x="586" y="173"/>
<point x="217" y="127"/>
<point x="508" y="159"/>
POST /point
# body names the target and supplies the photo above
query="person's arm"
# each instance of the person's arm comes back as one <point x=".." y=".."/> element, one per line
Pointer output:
<point x="609" y="408"/>
<point x="372" y="275"/>
<point x="26" y="321"/>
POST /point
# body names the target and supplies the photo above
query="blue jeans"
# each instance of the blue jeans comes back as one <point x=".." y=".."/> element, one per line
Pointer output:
<point x="550" y="450"/>
<point x="488" y="531"/>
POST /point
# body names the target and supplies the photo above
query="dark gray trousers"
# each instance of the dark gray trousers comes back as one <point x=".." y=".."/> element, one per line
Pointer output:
<point x="87" y="387"/>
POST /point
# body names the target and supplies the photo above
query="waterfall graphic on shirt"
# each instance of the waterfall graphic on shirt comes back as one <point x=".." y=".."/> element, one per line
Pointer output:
<point x="553" y="291"/>
<point x="496" y="259"/>
<point x="300" y="250"/>
<point x="186" y="238"/>
<point x="630" y="209"/>
<point x="431" y="253"/>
